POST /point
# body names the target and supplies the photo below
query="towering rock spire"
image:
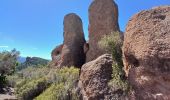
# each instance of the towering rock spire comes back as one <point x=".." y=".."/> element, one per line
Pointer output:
<point x="103" y="19"/>
<point x="72" y="51"/>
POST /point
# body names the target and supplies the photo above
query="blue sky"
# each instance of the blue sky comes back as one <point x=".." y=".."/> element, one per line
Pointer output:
<point x="35" y="27"/>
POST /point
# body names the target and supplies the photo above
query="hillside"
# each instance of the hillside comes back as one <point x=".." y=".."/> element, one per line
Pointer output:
<point x="21" y="59"/>
<point x="32" y="62"/>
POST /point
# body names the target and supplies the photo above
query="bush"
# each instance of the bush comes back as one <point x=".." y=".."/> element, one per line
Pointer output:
<point x="61" y="83"/>
<point x="34" y="73"/>
<point x="63" y="87"/>
<point x="113" y="44"/>
<point x="31" y="89"/>
<point x="12" y="79"/>
<point x="118" y="79"/>
<point x="3" y="82"/>
<point x="29" y="82"/>
<point x="8" y="62"/>
<point x="29" y="73"/>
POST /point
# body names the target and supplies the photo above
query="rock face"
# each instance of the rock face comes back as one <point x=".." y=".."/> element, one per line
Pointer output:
<point x="94" y="78"/>
<point x="72" y="51"/>
<point x="146" y="53"/>
<point x="103" y="19"/>
<point x="56" y="55"/>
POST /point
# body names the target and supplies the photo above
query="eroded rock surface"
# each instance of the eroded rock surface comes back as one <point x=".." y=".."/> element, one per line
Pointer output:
<point x="147" y="54"/>
<point x="94" y="78"/>
<point x="72" y="50"/>
<point x="103" y="19"/>
<point x="56" y="55"/>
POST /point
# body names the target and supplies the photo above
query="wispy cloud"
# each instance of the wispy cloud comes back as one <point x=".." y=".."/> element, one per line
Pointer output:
<point x="4" y="46"/>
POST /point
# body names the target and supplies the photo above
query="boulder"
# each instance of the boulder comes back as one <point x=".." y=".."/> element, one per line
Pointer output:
<point x="94" y="78"/>
<point x="146" y="54"/>
<point x="103" y="19"/>
<point x="56" y="55"/>
<point x="72" y="50"/>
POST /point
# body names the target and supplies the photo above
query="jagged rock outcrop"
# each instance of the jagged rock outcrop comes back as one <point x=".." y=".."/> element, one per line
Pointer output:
<point x="146" y="53"/>
<point x="94" y="78"/>
<point x="56" y="55"/>
<point x="103" y="19"/>
<point x="72" y="51"/>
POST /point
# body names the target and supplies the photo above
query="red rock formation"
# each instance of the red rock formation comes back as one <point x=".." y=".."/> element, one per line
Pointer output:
<point x="56" y="55"/>
<point x="94" y="78"/>
<point x="72" y="50"/>
<point x="146" y="53"/>
<point x="103" y="19"/>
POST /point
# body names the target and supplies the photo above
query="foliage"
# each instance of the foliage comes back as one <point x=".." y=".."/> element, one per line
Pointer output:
<point x="29" y="73"/>
<point x="31" y="89"/>
<point x="118" y="79"/>
<point x="3" y="82"/>
<point x="8" y="62"/>
<point x="34" y="72"/>
<point x="33" y="62"/>
<point x="113" y="44"/>
<point x="56" y="83"/>
<point x="12" y="79"/>
<point x="63" y="87"/>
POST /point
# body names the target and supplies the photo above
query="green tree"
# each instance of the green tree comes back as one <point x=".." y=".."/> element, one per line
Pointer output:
<point x="8" y="62"/>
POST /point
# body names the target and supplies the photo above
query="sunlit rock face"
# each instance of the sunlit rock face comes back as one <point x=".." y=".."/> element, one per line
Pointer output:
<point x="103" y="19"/>
<point x="146" y="52"/>
<point x="94" y="78"/>
<point x="72" y="51"/>
<point x="56" y="55"/>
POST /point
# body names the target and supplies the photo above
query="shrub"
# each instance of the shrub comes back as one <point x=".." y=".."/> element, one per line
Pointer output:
<point x="61" y="83"/>
<point x="30" y="82"/>
<point x="63" y="87"/>
<point x="8" y="62"/>
<point x="29" y="73"/>
<point x="113" y="44"/>
<point x="34" y="73"/>
<point x="31" y="89"/>
<point x="117" y="78"/>
<point x="12" y="79"/>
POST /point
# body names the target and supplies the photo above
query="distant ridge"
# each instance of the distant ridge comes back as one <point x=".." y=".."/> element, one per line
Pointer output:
<point x="21" y="59"/>
<point x="31" y="62"/>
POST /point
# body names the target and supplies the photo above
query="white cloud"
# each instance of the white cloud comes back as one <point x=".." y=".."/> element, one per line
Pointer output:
<point x="4" y="46"/>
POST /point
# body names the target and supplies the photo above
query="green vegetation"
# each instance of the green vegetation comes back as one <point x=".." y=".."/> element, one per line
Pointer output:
<point x="30" y="82"/>
<point x="113" y="44"/>
<point x="8" y="62"/>
<point x="33" y="62"/>
<point x="63" y="87"/>
<point x="43" y="83"/>
<point x="31" y="89"/>
<point x="27" y="74"/>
